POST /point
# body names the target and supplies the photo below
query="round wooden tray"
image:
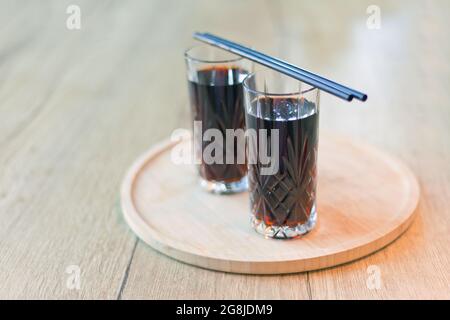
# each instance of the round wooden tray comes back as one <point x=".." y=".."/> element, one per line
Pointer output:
<point x="366" y="199"/>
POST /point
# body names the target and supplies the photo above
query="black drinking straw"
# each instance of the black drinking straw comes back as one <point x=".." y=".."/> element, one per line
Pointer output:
<point x="322" y="83"/>
<point x="356" y="94"/>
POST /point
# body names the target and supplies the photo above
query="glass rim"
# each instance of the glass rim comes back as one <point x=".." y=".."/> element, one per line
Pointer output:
<point x="190" y="57"/>
<point x="265" y="93"/>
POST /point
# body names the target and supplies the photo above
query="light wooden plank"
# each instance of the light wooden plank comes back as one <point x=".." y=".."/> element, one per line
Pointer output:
<point x="61" y="171"/>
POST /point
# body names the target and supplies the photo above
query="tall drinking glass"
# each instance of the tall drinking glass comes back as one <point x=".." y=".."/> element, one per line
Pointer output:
<point x="284" y="113"/>
<point x="216" y="96"/>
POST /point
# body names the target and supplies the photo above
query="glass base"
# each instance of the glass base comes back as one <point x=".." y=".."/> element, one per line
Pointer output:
<point x="285" y="232"/>
<point x="220" y="187"/>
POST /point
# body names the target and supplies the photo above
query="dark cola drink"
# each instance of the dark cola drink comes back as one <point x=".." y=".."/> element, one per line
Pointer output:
<point x="216" y="97"/>
<point x="283" y="203"/>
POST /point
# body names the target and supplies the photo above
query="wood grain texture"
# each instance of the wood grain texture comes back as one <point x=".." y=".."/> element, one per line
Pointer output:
<point x="164" y="205"/>
<point x="76" y="107"/>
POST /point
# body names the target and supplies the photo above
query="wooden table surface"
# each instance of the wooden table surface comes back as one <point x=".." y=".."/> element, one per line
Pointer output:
<point x="78" y="106"/>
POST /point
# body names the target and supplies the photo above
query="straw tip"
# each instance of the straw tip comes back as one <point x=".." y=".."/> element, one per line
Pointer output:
<point x="360" y="96"/>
